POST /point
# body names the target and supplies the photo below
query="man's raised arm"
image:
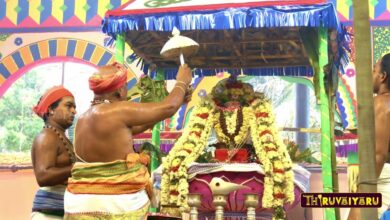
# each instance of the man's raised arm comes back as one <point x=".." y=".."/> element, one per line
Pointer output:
<point x="134" y="114"/>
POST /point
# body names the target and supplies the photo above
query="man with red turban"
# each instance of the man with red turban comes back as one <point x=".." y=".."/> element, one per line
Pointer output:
<point x="112" y="180"/>
<point x="52" y="152"/>
<point x="101" y="83"/>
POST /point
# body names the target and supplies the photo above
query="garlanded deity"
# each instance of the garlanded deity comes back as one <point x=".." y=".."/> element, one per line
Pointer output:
<point x="232" y="99"/>
<point x="243" y="123"/>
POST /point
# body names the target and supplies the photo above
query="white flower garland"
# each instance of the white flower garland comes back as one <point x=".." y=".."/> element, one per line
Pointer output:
<point x="273" y="154"/>
<point x="174" y="183"/>
<point x="231" y="126"/>
<point x="279" y="177"/>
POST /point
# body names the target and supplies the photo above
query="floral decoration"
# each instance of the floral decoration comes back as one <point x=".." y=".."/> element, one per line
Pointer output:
<point x="234" y="123"/>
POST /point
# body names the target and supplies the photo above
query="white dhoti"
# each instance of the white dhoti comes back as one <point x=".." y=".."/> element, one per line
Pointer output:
<point x="113" y="204"/>
<point x="42" y="216"/>
<point x="383" y="187"/>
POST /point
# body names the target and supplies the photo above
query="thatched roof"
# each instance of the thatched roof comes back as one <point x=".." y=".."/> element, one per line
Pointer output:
<point x="249" y="48"/>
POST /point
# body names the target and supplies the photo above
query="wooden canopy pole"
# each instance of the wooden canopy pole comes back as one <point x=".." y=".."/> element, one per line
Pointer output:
<point x="366" y="122"/>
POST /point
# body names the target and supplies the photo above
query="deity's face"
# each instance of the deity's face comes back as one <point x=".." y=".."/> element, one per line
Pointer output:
<point x="235" y="94"/>
<point x="234" y="97"/>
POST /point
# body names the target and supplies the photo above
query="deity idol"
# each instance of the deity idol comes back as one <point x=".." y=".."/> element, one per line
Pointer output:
<point x="242" y="123"/>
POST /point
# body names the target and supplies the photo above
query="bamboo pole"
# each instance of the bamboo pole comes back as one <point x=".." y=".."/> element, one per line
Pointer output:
<point x="335" y="179"/>
<point x="120" y="48"/>
<point x="153" y="155"/>
<point x="326" y="129"/>
<point x="366" y="123"/>
<point x="156" y="140"/>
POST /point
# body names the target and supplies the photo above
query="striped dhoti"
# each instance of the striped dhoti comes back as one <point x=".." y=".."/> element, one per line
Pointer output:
<point x="49" y="203"/>
<point x="113" y="190"/>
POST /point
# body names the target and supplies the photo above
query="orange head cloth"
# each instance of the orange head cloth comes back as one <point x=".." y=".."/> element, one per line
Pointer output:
<point x="51" y="95"/>
<point x="104" y="83"/>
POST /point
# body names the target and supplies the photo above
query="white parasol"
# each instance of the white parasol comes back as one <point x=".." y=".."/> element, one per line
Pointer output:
<point x="180" y="46"/>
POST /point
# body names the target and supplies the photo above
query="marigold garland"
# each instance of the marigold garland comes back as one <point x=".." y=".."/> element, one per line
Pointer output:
<point x="273" y="154"/>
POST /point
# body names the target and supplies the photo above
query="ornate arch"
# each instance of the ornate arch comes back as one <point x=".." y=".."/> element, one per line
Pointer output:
<point x="19" y="62"/>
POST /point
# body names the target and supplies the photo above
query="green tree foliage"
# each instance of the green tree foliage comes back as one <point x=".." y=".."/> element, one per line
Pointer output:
<point x="18" y="124"/>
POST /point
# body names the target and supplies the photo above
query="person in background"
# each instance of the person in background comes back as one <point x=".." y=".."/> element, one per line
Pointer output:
<point x="52" y="152"/>
<point x="381" y="89"/>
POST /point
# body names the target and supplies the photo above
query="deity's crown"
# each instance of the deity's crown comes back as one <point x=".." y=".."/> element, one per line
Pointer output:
<point x="232" y="87"/>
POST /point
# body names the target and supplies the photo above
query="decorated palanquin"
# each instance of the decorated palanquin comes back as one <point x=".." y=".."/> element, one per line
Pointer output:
<point x="253" y="37"/>
<point x="246" y="150"/>
<point x="247" y="174"/>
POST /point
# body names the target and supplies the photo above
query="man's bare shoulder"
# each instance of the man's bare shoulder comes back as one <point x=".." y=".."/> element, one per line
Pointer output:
<point x="108" y="108"/>
<point x="112" y="110"/>
<point x="382" y="103"/>
<point x="124" y="104"/>
<point x="46" y="139"/>
<point x="95" y="112"/>
<point x="103" y="115"/>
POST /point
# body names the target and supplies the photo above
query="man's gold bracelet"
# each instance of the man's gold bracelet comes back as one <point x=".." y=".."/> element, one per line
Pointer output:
<point x="178" y="81"/>
<point x="181" y="88"/>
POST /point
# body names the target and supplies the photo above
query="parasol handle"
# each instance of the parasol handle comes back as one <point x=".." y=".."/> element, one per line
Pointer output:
<point x="181" y="58"/>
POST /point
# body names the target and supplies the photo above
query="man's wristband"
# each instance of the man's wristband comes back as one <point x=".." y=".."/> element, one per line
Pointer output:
<point x="181" y="88"/>
<point x="181" y="82"/>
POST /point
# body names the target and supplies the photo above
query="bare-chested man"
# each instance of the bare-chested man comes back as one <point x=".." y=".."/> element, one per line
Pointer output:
<point x="52" y="153"/>
<point x="111" y="180"/>
<point x="381" y="87"/>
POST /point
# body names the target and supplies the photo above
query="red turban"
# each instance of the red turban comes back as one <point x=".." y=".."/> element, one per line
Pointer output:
<point x="51" y="95"/>
<point x="104" y="83"/>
